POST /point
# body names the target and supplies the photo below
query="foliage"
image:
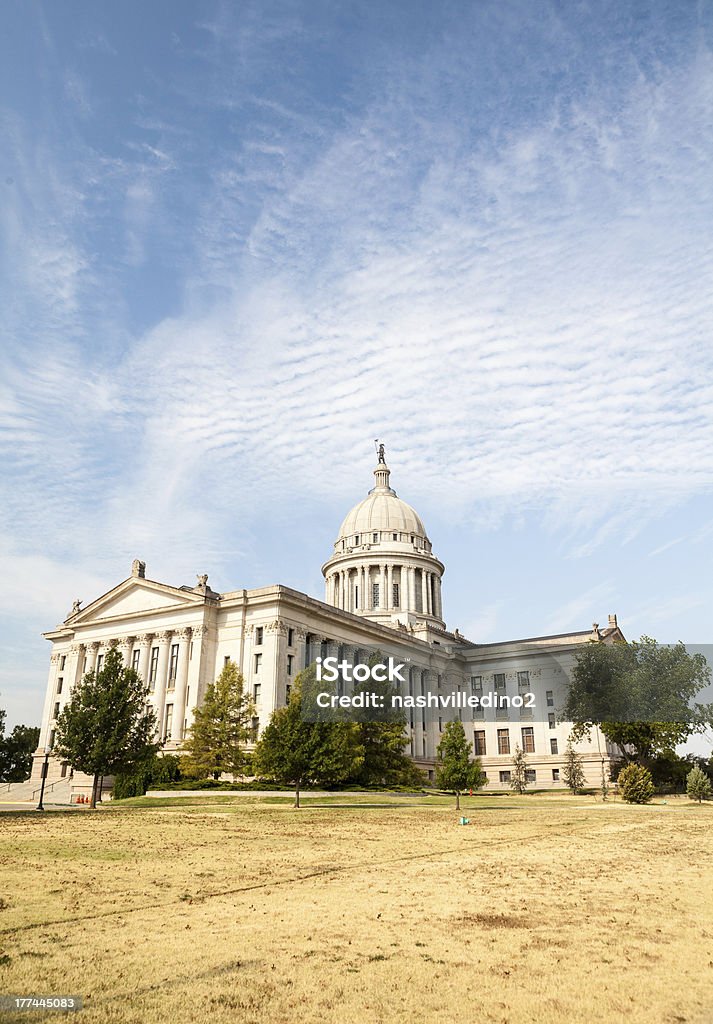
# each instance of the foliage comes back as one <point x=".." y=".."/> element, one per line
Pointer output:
<point x="221" y="727"/>
<point x="163" y="769"/>
<point x="455" y="770"/>
<point x="698" y="785"/>
<point x="293" y="750"/>
<point x="572" y="771"/>
<point x="381" y="733"/>
<point x="16" y="751"/>
<point x="635" y="784"/>
<point x="106" y="726"/>
<point x="641" y="695"/>
<point x="518" y="775"/>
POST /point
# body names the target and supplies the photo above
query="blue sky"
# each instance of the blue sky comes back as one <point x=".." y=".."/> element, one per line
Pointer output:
<point x="241" y="240"/>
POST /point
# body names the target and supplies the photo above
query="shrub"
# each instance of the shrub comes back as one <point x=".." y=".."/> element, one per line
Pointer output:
<point x="635" y="784"/>
<point x="164" y="768"/>
<point x="698" y="785"/>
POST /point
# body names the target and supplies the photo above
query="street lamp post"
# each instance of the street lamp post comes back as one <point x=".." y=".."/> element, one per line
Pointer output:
<point x="45" y="764"/>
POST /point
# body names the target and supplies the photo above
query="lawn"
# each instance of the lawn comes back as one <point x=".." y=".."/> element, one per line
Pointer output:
<point x="360" y="909"/>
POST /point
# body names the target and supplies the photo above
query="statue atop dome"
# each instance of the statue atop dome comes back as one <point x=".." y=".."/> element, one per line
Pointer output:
<point x="380" y="450"/>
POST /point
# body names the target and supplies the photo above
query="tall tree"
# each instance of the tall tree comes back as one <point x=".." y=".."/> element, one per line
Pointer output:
<point x="455" y="770"/>
<point x="295" y="751"/>
<point x="16" y="751"/>
<point x="518" y="774"/>
<point x="221" y="727"/>
<point x="573" y="772"/>
<point x="106" y="725"/>
<point x="698" y="785"/>
<point x="641" y="694"/>
<point x="381" y="733"/>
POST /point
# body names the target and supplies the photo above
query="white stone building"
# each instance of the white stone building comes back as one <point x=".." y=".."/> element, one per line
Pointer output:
<point x="383" y="590"/>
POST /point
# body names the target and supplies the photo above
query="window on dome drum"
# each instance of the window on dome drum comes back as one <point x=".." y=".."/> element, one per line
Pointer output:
<point x="530" y="775"/>
<point x="505" y="776"/>
<point x="356" y="598"/>
<point x="153" y="667"/>
<point x="550" y="698"/>
<point x="375" y="595"/>
<point x="259" y="631"/>
<point x="395" y="595"/>
<point x="552" y="721"/>
<point x="555" y="774"/>
<point x="553" y="746"/>
<point x="374" y="537"/>
<point x="135" y="659"/>
<point x="173" y="665"/>
<point x="59" y="684"/>
<point x="412" y="538"/>
<point x="528" y="740"/>
<point x="290" y="638"/>
<point x="62" y="662"/>
<point x="356" y="539"/>
<point x="479" y="742"/>
<point x="395" y="536"/>
<point x="503" y="741"/>
<point x="290" y="663"/>
<point x="256" y="693"/>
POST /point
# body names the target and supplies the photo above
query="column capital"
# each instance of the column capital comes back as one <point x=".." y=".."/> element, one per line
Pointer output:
<point x="184" y="633"/>
<point x="144" y="639"/>
<point x="164" y="636"/>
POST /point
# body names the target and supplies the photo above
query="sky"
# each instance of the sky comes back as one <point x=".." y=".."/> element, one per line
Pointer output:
<point x="239" y="241"/>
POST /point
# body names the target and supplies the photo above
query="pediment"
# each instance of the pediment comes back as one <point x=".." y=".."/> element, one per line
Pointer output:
<point x="135" y="597"/>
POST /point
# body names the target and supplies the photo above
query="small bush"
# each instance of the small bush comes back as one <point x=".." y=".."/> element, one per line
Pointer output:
<point x="698" y="785"/>
<point x="161" y="769"/>
<point x="635" y="784"/>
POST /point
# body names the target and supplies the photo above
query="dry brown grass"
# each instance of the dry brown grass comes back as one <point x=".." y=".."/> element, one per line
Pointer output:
<point x="541" y="910"/>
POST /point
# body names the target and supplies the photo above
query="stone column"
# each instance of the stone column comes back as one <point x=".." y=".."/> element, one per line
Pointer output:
<point x="389" y="587"/>
<point x="179" y="698"/>
<point x="365" y="577"/>
<point x="144" y="644"/>
<point x="424" y="596"/>
<point x="74" y="673"/>
<point x="93" y="650"/>
<point x="163" y="640"/>
<point x="124" y="646"/>
<point x="343" y="588"/>
<point x="439" y="598"/>
<point x="383" y="596"/>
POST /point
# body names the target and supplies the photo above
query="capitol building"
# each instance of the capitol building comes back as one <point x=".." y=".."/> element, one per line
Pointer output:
<point x="382" y="592"/>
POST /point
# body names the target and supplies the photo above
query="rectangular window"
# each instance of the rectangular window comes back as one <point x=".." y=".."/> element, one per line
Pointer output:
<point x="258" y="662"/>
<point x="503" y="741"/>
<point x="530" y="775"/>
<point x="528" y="739"/>
<point x="375" y="595"/>
<point x="374" y="537"/>
<point x="551" y="720"/>
<point x="555" y="774"/>
<point x="60" y="681"/>
<point x="56" y="710"/>
<point x="499" y="680"/>
<point x="290" y="663"/>
<point x="153" y="670"/>
<point x="169" y="720"/>
<point x="395" y="596"/>
<point x="479" y="742"/>
<point x="259" y="632"/>
<point x="523" y="681"/>
<point x="501" y="712"/>
<point x="394" y="536"/>
<point x="64" y="771"/>
<point x="504" y="776"/>
<point x="476" y="686"/>
<point x="440" y="725"/>
<point x="136" y="655"/>
<point x="255" y="726"/>
<point x="553" y="746"/>
<point x="62" y="662"/>
<point x="100" y="662"/>
<point x="550" y="698"/>
<point x="356" y="539"/>
<point x="356" y="597"/>
<point x="173" y="664"/>
<point x="290" y="638"/>
<point x="226" y="661"/>
<point x="288" y="691"/>
<point x="256" y="693"/>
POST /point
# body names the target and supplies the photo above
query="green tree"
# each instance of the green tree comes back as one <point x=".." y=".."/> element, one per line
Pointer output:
<point x="16" y="751"/>
<point x="635" y="784"/>
<point x="382" y="735"/>
<point x="295" y="751"/>
<point x="106" y="726"/>
<point x="221" y="727"/>
<point x="698" y="785"/>
<point x="641" y="694"/>
<point x="573" y="772"/>
<point x="455" y="770"/>
<point x="518" y="775"/>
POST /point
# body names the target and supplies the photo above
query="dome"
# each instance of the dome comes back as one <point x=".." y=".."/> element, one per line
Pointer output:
<point x="382" y="511"/>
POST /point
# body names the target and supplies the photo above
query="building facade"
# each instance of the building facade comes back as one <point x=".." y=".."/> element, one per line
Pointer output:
<point x="382" y="591"/>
